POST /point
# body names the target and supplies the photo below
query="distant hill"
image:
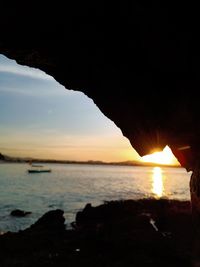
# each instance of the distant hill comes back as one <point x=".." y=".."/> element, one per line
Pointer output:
<point x="2" y="157"/>
<point x="5" y="158"/>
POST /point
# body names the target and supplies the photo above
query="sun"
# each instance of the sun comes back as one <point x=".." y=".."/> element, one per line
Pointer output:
<point x="164" y="157"/>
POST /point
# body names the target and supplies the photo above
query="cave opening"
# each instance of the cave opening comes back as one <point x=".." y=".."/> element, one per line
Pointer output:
<point x="34" y="104"/>
<point x="139" y="62"/>
<point x="42" y="119"/>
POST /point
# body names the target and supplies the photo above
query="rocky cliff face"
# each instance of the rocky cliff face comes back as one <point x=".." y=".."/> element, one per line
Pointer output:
<point x="138" y="62"/>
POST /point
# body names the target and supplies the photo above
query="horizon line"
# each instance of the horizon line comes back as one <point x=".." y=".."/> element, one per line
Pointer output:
<point x="125" y="162"/>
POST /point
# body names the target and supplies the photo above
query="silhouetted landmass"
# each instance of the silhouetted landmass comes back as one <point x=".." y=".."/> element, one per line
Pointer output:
<point x="2" y="157"/>
<point x="138" y="233"/>
<point x="6" y="158"/>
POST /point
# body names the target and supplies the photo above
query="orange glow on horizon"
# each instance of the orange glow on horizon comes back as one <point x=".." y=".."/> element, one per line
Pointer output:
<point x="164" y="157"/>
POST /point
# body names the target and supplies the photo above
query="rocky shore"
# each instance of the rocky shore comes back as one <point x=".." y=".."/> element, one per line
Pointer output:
<point x="145" y="232"/>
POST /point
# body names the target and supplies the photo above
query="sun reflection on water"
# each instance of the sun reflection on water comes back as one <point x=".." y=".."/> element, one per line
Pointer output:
<point x="157" y="182"/>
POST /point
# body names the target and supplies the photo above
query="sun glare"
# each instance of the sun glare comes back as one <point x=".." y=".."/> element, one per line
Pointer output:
<point x="164" y="157"/>
<point x="157" y="182"/>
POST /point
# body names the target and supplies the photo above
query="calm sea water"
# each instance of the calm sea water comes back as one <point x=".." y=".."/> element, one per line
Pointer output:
<point x="71" y="186"/>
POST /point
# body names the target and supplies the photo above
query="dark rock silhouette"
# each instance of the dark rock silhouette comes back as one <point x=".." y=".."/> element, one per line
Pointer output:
<point x="117" y="233"/>
<point x="50" y="221"/>
<point x="19" y="213"/>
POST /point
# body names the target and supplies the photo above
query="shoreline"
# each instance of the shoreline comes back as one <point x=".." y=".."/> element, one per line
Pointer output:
<point x="93" y="163"/>
<point x="145" y="232"/>
<point x="10" y="159"/>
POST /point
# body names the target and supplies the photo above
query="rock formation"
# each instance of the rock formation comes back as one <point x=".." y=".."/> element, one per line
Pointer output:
<point x="117" y="233"/>
<point x="19" y="213"/>
<point x="138" y="61"/>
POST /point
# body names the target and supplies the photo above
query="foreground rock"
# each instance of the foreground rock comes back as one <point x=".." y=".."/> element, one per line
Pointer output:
<point x="117" y="233"/>
<point x="50" y="221"/>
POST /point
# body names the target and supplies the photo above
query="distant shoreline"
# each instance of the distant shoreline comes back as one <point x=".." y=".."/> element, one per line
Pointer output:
<point x="9" y="159"/>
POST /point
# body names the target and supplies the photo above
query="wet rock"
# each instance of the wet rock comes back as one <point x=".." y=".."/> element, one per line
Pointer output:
<point x="51" y="221"/>
<point x="117" y="233"/>
<point x="19" y="213"/>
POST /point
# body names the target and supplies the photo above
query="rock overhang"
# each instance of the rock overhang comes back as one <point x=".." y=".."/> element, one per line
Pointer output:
<point x="139" y="64"/>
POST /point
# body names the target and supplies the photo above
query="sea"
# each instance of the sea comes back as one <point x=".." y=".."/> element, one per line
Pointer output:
<point x="71" y="186"/>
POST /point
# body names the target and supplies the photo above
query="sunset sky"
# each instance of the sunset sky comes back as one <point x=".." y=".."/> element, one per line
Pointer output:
<point x="40" y="118"/>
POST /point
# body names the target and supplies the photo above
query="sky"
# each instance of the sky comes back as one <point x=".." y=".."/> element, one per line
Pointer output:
<point x="40" y="118"/>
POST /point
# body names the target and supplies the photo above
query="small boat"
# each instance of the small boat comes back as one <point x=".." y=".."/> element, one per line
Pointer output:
<point x="38" y="169"/>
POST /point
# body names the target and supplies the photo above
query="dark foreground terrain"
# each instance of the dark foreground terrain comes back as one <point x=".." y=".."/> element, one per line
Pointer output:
<point x="116" y="234"/>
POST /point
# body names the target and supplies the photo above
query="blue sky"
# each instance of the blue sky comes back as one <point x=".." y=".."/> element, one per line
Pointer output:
<point x="40" y="118"/>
